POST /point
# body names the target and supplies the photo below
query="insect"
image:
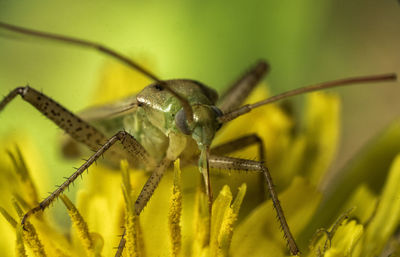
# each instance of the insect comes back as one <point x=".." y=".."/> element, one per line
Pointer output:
<point x="168" y="119"/>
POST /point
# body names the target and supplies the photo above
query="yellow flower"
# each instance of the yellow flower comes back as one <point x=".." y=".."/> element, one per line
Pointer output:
<point x="176" y="220"/>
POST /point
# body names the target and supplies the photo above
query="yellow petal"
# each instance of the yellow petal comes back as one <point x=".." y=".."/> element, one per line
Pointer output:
<point x="80" y="226"/>
<point x="100" y="199"/>
<point x="369" y="168"/>
<point x="387" y="216"/>
<point x="31" y="237"/>
<point x="345" y="240"/>
<point x="322" y="132"/>
<point x="219" y="210"/>
<point x="323" y="239"/>
<point x="269" y="122"/>
<point x="175" y="212"/>
<point x="8" y="217"/>
<point x="201" y="224"/>
<point x="228" y="222"/>
<point x="133" y="234"/>
<point x="27" y="185"/>
<point x="154" y="217"/>
<point x="20" y="248"/>
<point x="260" y="234"/>
<point x="364" y="203"/>
<point x="7" y="244"/>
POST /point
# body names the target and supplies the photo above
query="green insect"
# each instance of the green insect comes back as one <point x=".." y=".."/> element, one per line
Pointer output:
<point x="167" y="120"/>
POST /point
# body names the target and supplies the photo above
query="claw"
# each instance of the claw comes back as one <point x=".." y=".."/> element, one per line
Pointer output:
<point x="23" y="221"/>
<point x="26" y="216"/>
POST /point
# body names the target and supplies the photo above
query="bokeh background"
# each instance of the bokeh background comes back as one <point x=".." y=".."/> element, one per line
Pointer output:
<point x="211" y="41"/>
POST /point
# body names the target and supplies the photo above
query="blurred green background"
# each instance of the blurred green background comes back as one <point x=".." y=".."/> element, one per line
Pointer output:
<point x="211" y="41"/>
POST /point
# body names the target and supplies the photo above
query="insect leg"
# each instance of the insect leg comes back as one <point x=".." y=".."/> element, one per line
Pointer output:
<point x="80" y="131"/>
<point x="238" y="92"/>
<point x="151" y="185"/>
<point x="130" y="145"/>
<point x="230" y="163"/>
<point x="66" y="120"/>
<point x="73" y="125"/>
<point x="121" y="245"/>
<point x="241" y="143"/>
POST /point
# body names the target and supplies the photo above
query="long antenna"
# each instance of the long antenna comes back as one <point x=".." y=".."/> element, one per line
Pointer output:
<point x="105" y="50"/>
<point x="331" y="84"/>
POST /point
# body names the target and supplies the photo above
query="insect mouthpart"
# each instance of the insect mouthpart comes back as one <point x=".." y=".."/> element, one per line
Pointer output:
<point x="204" y="125"/>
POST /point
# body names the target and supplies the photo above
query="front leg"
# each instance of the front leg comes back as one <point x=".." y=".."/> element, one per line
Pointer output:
<point x="82" y="132"/>
<point x="130" y="145"/>
<point x="241" y="143"/>
<point x="151" y="185"/>
<point x="230" y="163"/>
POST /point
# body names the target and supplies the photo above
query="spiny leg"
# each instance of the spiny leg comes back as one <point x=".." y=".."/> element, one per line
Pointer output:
<point x="241" y="143"/>
<point x="66" y="120"/>
<point x="121" y="245"/>
<point x="82" y="132"/>
<point x="230" y="163"/>
<point x="227" y="148"/>
<point x="73" y="125"/>
<point x="151" y="185"/>
<point x="130" y="145"/>
<point x="238" y="91"/>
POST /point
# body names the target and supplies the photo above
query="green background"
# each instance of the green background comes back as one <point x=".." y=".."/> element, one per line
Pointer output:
<point x="211" y="41"/>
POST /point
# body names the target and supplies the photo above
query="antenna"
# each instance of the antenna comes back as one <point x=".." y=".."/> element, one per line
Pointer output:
<point x="105" y="50"/>
<point x="331" y="84"/>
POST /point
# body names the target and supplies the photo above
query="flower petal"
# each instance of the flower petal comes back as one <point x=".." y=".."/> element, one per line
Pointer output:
<point x="322" y="133"/>
<point x="368" y="168"/>
<point x="175" y="212"/>
<point x="260" y="235"/>
<point x="227" y="225"/>
<point x="19" y="245"/>
<point x="387" y="216"/>
<point x="133" y="232"/>
<point x="80" y="226"/>
<point x="345" y="240"/>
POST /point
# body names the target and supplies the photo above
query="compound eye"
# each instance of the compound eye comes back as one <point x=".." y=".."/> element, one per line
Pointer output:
<point x="158" y="87"/>
<point x="181" y="122"/>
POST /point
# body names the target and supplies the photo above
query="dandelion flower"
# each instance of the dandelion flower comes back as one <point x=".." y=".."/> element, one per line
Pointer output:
<point x="243" y="221"/>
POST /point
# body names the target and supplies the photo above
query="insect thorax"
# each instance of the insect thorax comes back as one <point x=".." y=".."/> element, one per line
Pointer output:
<point x="153" y="124"/>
